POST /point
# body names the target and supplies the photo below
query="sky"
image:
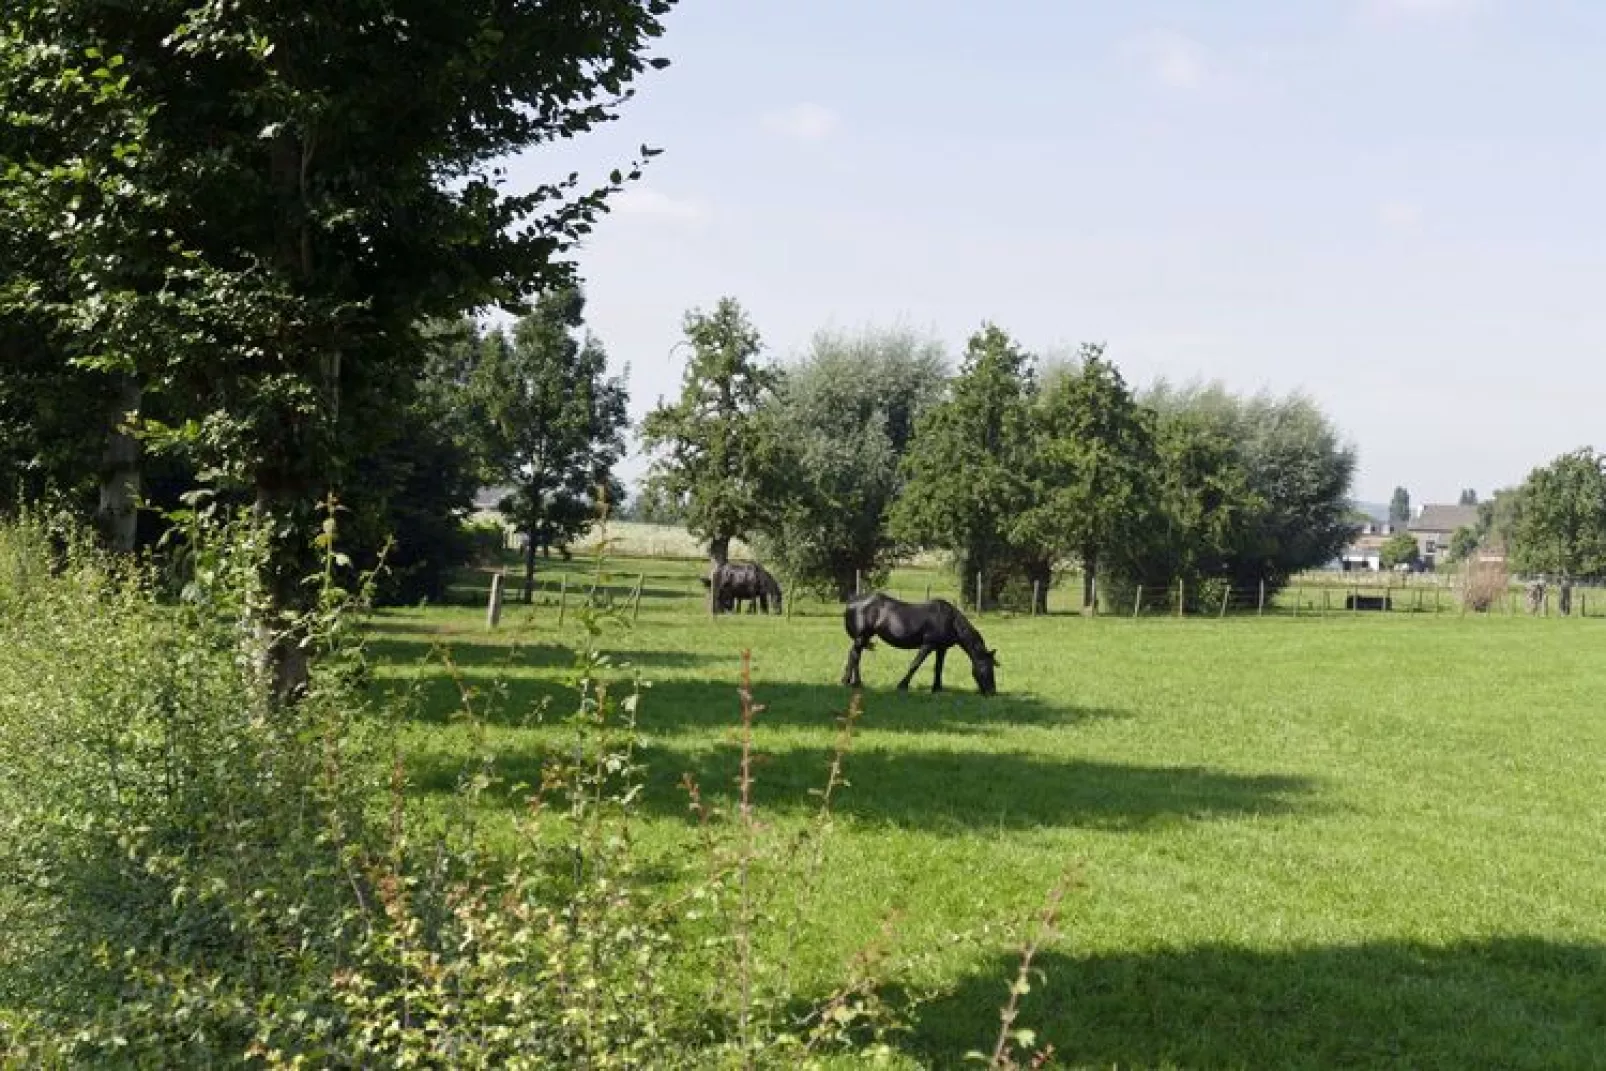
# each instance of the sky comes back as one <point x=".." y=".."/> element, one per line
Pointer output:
<point x="1392" y="206"/>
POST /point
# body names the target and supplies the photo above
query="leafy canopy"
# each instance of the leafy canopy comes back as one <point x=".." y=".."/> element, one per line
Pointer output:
<point x="1558" y="520"/>
<point x="845" y="416"/>
<point x="716" y="449"/>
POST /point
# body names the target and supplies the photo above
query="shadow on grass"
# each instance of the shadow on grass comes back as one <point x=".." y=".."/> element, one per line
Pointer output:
<point x="933" y="791"/>
<point x="1514" y="1002"/>
<point x="481" y="653"/>
<point x="698" y="705"/>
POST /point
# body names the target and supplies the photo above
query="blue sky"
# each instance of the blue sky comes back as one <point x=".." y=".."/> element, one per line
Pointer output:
<point x="1391" y="205"/>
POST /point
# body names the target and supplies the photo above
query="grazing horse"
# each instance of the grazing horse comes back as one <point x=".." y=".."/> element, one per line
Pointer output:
<point x="929" y="626"/>
<point x="733" y="582"/>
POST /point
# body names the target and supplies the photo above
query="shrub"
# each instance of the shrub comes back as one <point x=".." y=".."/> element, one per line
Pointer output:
<point x="193" y="876"/>
<point x="1483" y="585"/>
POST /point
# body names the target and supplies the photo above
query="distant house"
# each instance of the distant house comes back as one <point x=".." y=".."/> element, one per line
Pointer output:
<point x="1434" y="525"/>
<point x="1365" y="552"/>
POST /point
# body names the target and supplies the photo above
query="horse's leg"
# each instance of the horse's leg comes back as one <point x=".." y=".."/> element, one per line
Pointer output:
<point x="936" y="679"/>
<point x="903" y="685"/>
<point x="850" y="672"/>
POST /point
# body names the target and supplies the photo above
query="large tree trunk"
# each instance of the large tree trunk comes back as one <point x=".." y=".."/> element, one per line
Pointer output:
<point x="1090" y="572"/>
<point x="529" y="564"/>
<point x="719" y="550"/>
<point x="282" y="660"/>
<point x="1041" y="575"/>
<point x="117" y="515"/>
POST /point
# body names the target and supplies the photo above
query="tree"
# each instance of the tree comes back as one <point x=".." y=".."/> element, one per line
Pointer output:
<point x="1294" y="467"/>
<point x="845" y="416"/>
<point x="1463" y="543"/>
<point x="1202" y="510"/>
<point x="414" y="483"/>
<point x="1559" y="518"/>
<point x="1400" y="549"/>
<point x="553" y="424"/>
<point x="1469" y="497"/>
<point x="252" y="206"/>
<point x="716" y="451"/>
<point x="1400" y="508"/>
<point x="966" y="475"/>
<point x="1092" y="463"/>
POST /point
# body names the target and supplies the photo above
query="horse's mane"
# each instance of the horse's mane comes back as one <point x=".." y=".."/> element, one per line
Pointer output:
<point x="969" y="638"/>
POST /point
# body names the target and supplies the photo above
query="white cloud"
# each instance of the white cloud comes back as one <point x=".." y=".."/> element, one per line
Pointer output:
<point x="1172" y="59"/>
<point x="646" y="202"/>
<point x="803" y="122"/>
<point x="1399" y="215"/>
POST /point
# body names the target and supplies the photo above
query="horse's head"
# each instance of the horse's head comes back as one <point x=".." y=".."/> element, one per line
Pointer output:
<point x="982" y="666"/>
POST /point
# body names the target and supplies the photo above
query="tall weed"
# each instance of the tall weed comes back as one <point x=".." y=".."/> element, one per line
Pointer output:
<point x="194" y="875"/>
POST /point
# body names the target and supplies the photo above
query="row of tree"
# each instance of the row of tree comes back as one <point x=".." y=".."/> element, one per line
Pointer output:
<point x="867" y="450"/>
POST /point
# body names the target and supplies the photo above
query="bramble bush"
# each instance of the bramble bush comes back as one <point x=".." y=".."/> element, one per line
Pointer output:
<point x="193" y="875"/>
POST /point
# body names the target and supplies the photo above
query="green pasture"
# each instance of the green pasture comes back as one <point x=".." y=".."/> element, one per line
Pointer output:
<point x="1342" y="840"/>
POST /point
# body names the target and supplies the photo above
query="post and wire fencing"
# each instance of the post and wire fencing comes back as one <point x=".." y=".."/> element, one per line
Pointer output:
<point x="655" y="588"/>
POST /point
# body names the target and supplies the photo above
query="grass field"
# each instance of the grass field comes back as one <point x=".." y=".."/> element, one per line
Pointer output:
<point x="1353" y="840"/>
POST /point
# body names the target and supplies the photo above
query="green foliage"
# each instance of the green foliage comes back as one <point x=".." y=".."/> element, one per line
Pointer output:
<point x="552" y="422"/>
<point x="1092" y="465"/>
<point x="1289" y="493"/>
<point x="1400" y="549"/>
<point x="966" y="475"/>
<point x="189" y="877"/>
<point x="1469" y="497"/>
<point x="176" y="862"/>
<point x="1558" y="517"/>
<point x="717" y="451"/>
<point x="1400" y="507"/>
<point x="248" y="208"/>
<point x="844" y="417"/>
<point x="1463" y="543"/>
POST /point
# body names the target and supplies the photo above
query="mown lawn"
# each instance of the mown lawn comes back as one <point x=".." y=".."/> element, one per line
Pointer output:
<point x="1360" y="840"/>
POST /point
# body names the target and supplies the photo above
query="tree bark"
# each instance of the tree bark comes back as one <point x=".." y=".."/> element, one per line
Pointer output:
<point x="117" y="515"/>
<point x="1090" y="567"/>
<point x="1041" y="576"/>
<point x="282" y="661"/>
<point x="719" y="550"/>
<point x="529" y="564"/>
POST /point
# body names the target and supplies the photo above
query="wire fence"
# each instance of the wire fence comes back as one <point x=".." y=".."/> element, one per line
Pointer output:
<point x="676" y="586"/>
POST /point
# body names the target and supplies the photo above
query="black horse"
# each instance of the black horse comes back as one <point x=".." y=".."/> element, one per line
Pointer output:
<point x="733" y="582"/>
<point x="930" y="626"/>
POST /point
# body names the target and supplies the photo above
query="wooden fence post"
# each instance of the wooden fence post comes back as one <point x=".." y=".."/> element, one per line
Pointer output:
<point x="1182" y="595"/>
<point x="1260" y="605"/>
<point x="1137" y="603"/>
<point x="928" y="591"/>
<point x="635" y="599"/>
<point x="1225" y="595"/>
<point x="978" y="591"/>
<point x="563" y="596"/>
<point x="493" y="610"/>
<point x="858" y="583"/>
<point x="1037" y="586"/>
